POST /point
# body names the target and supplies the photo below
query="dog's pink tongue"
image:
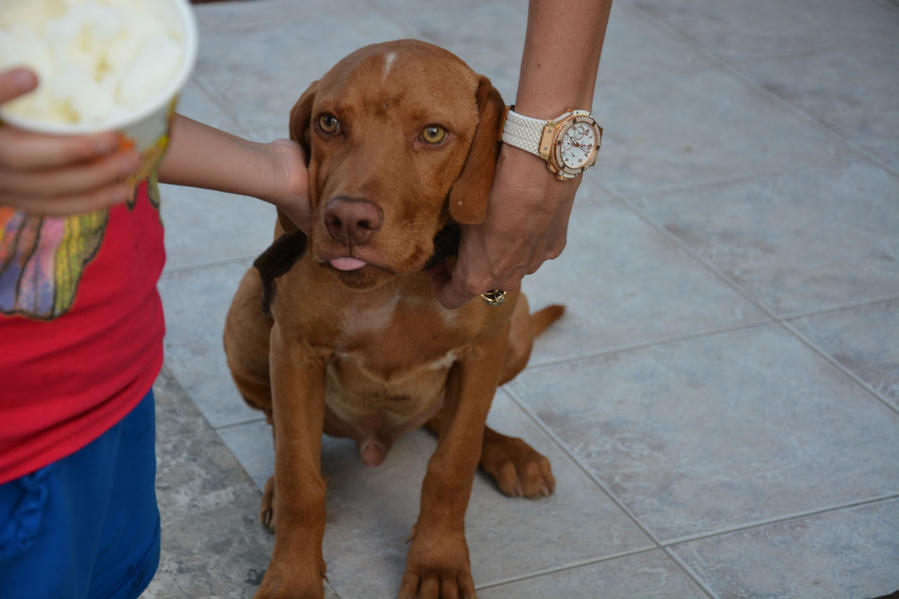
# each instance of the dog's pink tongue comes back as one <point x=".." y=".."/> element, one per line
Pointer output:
<point x="347" y="263"/>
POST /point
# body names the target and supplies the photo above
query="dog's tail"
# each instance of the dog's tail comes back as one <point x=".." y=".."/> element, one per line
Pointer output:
<point x="541" y="319"/>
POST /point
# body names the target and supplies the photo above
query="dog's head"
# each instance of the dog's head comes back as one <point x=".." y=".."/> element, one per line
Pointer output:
<point x="400" y="137"/>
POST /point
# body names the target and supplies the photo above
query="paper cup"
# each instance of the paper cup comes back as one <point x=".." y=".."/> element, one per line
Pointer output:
<point x="147" y="128"/>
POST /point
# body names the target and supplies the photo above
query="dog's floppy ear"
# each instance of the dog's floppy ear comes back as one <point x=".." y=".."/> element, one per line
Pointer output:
<point x="468" y="196"/>
<point x="300" y="121"/>
<point x="301" y="118"/>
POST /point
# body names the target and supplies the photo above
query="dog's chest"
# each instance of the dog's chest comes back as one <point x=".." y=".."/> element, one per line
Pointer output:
<point x="391" y="361"/>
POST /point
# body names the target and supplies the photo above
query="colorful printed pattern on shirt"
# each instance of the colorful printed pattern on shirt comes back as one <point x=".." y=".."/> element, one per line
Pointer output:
<point x="42" y="258"/>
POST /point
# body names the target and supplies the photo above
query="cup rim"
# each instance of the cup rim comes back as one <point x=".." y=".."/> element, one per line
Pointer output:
<point x="160" y="103"/>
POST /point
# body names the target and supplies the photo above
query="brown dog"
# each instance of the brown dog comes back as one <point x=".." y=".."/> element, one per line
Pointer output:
<point x="340" y="333"/>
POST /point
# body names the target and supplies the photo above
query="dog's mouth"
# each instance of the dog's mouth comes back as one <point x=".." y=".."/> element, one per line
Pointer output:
<point x="356" y="269"/>
<point x="355" y="272"/>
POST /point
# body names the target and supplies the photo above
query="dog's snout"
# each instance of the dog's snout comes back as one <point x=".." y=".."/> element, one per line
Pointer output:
<point x="352" y="221"/>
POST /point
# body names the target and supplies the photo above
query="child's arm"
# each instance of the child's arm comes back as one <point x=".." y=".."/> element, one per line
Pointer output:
<point x="72" y="174"/>
<point x="202" y="156"/>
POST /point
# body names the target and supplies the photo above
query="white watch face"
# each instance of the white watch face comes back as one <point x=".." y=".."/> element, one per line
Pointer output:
<point x="577" y="145"/>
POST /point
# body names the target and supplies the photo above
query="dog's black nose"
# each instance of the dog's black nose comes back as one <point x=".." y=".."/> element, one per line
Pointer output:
<point x="352" y="221"/>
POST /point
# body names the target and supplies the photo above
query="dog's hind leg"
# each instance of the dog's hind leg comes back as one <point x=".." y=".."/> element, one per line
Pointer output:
<point x="525" y="327"/>
<point x="246" y="340"/>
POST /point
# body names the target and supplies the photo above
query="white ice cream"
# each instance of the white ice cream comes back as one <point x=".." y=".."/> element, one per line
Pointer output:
<point x="97" y="60"/>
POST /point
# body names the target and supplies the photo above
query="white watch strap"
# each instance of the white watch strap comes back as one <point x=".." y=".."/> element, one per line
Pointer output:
<point x="523" y="132"/>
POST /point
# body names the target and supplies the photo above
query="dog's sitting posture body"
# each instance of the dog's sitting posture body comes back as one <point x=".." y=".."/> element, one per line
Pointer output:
<point x="338" y="331"/>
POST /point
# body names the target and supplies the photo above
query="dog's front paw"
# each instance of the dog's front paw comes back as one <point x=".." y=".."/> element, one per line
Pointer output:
<point x="291" y="583"/>
<point x="518" y="469"/>
<point x="437" y="567"/>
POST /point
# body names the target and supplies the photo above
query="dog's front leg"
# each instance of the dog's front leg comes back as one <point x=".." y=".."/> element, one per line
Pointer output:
<point x="298" y="399"/>
<point x="438" y="565"/>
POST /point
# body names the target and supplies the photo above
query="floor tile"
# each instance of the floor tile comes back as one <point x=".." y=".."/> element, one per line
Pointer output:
<point x="741" y="31"/>
<point x="624" y="283"/>
<point x="638" y="44"/>
<point x="649" y="575"/>
<point x="853" y="93"/>
<point x="195" y="103"/>
<point x="203" y="226"/>
<point x="721" y="431"/>
<point x="847" y="553"/>
<point x="196" y="472"/>
<point x="712" y="124"/>
<point x="489" y="36"/>
<point x="863" y="340"/>
<point x="195" y="302"/>
<point x="259" y="57"/>
<point x="890" y="156"/>
<point x="799" y="241"/>
<point x="251" y="444"/>
<point x="370" y="511"/>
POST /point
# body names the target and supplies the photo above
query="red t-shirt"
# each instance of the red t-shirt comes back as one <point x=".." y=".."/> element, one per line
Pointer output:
<point x="81" y="327"/>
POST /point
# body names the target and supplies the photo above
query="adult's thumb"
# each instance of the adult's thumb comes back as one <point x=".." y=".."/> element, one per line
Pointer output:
<point x="15" y="82"/>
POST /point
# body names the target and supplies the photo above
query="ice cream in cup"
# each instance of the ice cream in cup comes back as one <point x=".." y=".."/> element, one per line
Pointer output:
<point x="102" y="65"/>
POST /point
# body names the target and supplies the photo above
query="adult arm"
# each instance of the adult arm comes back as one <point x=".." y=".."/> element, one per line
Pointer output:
<point x="528" y="210"/>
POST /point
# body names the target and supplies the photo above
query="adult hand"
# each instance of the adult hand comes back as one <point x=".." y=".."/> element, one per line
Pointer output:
<point x="527" y="224"/>
<point x="58" y="174"/>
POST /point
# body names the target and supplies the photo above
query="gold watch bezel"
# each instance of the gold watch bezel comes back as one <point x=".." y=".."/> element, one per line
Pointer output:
<point x="551" y="143"/>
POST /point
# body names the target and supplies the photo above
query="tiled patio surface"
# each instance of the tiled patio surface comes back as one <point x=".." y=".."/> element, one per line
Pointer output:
<point x="720" y="401"/>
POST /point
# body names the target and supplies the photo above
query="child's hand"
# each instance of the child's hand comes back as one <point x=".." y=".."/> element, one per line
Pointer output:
<point x="292" y="192"/>
<point x="58" y="174"/>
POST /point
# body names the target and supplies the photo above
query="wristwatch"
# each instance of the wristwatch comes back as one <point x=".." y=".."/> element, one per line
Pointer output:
<point x="568" y="143"/>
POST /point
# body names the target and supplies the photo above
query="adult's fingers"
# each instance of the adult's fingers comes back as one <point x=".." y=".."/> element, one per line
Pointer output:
<point x="449" y="292"/>
<point x="71" y="180"/>
<point x="15" y="82"/>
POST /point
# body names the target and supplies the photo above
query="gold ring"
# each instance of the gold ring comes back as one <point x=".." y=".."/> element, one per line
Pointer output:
<point x="494" y="297"/>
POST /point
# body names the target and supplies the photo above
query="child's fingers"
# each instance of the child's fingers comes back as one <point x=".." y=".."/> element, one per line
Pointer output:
<point x="24" y="150"/>
<point x="70" y="204"/>
<point x="69" y="180"/>
<point x="15" y="82"/>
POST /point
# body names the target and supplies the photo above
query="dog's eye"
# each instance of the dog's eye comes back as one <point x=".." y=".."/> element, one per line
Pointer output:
<point x="433" y="134"/>
<point x="328" y="123"/>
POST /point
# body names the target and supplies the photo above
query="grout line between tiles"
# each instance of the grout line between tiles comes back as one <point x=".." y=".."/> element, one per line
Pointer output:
<point x="834" y="362"/>
<point x="213" y="99"/>
<point x="209" y="263"/>
<point x="689" y="572"/>
<point x="239" y="423"/>
<point x="619" y="349"/>
<point x="737" y="177"/>
<point x="564" y="568"/>
<point x="779" y="520"/>
<point x="840" y="308"/>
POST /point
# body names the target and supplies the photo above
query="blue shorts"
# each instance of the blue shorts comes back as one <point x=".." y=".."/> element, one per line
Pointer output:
<point x="87" y="526"/>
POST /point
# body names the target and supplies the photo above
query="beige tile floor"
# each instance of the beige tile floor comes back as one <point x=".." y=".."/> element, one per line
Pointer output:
<point x="720" y="402"/>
